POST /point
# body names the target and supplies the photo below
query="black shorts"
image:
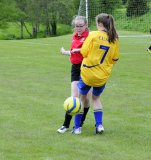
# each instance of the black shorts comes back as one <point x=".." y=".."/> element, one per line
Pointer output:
<point x="75" y="72"/>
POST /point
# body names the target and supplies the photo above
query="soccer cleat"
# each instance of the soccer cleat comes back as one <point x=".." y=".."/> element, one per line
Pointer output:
<point x="99" y="129"/>
<point x="149" y="49"/>
<point x="63" y="129"/>
<point x="76" y="131"/>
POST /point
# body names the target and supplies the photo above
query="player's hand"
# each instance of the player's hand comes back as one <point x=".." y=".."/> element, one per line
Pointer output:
<point x="64" y="52"/>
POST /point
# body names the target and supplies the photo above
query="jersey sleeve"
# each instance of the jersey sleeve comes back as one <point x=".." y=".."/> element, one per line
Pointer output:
<point x="86" y="46"/>
<point x="116" y="53"/>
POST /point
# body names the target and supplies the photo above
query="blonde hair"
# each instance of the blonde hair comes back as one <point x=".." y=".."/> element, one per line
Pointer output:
<point x="108" y="22"/>
<point x="79" y="18"/>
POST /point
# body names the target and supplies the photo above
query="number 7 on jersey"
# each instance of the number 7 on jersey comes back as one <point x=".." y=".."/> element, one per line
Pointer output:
<point x="105" y="48"/>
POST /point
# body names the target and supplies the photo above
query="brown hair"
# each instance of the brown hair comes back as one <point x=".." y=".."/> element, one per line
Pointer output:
<point x="108" y="22"/>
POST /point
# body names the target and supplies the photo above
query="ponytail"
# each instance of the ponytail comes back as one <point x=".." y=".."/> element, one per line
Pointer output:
<point x="108" y="22"/>
<point x="112" y="31"/>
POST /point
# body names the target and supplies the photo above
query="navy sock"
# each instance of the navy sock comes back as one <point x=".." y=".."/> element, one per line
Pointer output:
<point x="98" y="117"/>
<point x="77" y="120"/>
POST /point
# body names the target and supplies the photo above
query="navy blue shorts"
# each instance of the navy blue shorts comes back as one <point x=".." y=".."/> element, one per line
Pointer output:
<point x="84" y="89"/>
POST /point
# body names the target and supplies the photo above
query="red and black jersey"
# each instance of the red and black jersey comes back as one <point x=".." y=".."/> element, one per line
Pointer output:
<point x="77" y="42"/>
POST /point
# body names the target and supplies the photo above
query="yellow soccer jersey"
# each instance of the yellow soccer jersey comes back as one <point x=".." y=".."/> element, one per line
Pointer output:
<point x="99" y="57"/>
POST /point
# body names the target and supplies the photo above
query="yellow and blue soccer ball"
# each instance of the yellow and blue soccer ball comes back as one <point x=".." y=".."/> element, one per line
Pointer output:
<point x="72" y="105"/>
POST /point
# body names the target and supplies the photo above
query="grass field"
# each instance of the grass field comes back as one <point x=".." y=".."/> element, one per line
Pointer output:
<point x="34" y="82"/>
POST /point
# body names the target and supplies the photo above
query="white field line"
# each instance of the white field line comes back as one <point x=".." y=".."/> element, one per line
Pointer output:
<point x="31" y="43"/>
<point x="56" y="44"/>
<point x="136" y="36"/>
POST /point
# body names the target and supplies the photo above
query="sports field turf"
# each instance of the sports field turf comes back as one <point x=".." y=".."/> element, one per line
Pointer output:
<point x="34" y="82"/>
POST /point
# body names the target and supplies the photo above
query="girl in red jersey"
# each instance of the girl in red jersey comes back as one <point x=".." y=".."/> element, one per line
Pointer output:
<point x="81" y="32"/>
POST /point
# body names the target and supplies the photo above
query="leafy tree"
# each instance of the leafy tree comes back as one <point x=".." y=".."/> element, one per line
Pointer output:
<point x="54" y="11"/>
<point x="8" y="12"/>
<point x="99" y="6"/>
<point x="109" y="6"/>
<point x="33" y="12"/>
<point x="36" y="12"/>
<point x="137" y="7"/>
<point x="22" y="16"/>
<point x="124" y="1"/>
<point x="76" y="4"/>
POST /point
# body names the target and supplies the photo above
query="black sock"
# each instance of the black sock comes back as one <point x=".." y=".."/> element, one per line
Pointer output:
<point x="84" y="115"/>
<point x="67" y="120"/>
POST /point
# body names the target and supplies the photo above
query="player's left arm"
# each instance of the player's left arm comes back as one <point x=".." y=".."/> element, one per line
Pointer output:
<point x="115" y="58"/>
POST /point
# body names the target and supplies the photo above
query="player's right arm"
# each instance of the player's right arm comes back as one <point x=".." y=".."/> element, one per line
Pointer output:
<point x="64" y="52"/>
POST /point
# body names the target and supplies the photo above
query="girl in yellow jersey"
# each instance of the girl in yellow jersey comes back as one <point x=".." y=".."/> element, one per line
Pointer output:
<point x="100" y="51"/>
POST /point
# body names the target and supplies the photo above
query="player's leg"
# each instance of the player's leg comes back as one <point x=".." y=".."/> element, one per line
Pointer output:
<point x="86" y="107"/>
<point x="67" y="120"/>
<point x="66" y="124"/>
<point x="78" y="117"/>
<point x="74" y="89"/>
<point x="83" y="90"/>
<point x="75" y="77"/>
<point x="75" y="73"/>
<point x="98" y="109"/>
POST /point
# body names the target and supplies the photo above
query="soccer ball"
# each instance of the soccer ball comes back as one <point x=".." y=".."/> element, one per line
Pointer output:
<point x="72" y="105"/>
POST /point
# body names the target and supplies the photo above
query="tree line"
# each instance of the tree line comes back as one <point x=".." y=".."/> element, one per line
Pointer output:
<point x="133" y="7"/>
<point x="51" y="12"/>
<point x="36" y="12"/>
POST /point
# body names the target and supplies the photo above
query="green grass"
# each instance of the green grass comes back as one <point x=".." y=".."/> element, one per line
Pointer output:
<point x="12" y="31"/>
<point x="34" y="82"/>
<point x="138" y="23"/>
